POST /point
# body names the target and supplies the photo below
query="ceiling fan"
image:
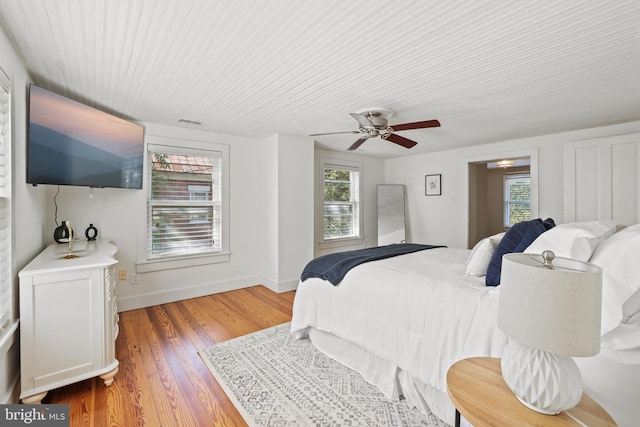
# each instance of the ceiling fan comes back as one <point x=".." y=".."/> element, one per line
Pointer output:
<point x="373" y="122"/>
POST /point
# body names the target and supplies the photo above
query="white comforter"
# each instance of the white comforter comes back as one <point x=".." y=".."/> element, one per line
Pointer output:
<point x="418" y="312"/>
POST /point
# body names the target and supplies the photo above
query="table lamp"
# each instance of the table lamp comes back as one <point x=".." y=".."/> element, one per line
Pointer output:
<point x="550" y="308"/>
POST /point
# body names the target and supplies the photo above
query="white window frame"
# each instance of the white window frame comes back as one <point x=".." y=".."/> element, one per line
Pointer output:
<point x="145" y="263"/>
<point x="340" y="164"/>
<point x="506" y="201"/>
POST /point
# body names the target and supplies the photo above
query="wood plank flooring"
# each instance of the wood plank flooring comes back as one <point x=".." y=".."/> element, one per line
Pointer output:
<point x="162" y="380"/>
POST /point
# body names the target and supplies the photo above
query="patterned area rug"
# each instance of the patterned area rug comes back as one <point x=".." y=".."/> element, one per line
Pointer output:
<point x="275" y="380"/>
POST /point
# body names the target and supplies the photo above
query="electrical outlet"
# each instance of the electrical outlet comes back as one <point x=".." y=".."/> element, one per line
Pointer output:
<point x="135" y="279"/>
<point x="122" y="275"/>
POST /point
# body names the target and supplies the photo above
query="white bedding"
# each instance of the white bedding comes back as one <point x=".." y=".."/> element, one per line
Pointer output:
<point x="409" y="319"/>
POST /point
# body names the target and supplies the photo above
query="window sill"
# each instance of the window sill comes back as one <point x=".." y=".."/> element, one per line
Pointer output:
<point x="336" y="243"/>
<point x="160" y="264"/>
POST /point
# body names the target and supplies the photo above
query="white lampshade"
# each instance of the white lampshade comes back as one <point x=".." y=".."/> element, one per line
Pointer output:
<point x="551" y="312"/>
<point x="554" y="309"/>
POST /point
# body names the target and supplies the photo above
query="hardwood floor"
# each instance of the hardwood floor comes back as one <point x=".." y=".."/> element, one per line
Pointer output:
<point x="162" y="380"/>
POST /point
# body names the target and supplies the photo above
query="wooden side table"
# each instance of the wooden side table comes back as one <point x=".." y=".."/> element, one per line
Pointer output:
<point x="479" y="393"/>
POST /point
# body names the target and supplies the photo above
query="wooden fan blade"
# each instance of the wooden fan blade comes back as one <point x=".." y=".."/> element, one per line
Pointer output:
<point x="400" y="140"/>
<point x="417" y="125"/>
<point x="362" y="119"/>
<point x="334" y="133"/>
<point x="358" y="143"/>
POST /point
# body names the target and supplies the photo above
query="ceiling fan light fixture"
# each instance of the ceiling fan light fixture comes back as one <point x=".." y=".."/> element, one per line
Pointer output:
<point x="383" y="112"/>
<point x="504" y="164"/>
<point x="373" y="123"/>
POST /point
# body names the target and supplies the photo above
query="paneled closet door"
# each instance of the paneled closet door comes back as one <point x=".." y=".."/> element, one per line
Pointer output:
<point x="602" y="179"/>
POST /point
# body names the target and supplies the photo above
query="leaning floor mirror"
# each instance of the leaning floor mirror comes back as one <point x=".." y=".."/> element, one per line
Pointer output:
<point x="391" y="221"/>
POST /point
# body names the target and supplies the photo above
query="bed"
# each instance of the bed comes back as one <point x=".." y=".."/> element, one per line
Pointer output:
<point x="402" y="321"/>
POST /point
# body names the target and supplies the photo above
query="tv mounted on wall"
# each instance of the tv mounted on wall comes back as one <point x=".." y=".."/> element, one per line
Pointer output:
<point x="70" y="143"/>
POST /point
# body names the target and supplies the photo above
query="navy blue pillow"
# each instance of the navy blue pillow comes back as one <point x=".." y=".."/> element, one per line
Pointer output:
<point x="517" y="239"/>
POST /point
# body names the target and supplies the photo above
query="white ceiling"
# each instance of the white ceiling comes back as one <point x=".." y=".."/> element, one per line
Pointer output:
<point x="488" y="70"/>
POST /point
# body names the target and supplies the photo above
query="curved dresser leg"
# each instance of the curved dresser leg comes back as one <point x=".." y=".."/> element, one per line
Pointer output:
<point x="108" y="377"/>
<point x="35" y="399"/>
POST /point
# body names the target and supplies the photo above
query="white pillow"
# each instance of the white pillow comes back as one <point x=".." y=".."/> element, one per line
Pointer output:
<point x="480" y="256"/>
<point x="619" y="258"/>
<point x="576" y="240"/>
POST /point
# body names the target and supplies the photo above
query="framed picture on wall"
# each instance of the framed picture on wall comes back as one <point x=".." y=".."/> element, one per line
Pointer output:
<point x="433" y="185"/>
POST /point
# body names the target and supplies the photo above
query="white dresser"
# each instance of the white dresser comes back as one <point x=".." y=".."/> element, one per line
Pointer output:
<point x="68" y="317"/>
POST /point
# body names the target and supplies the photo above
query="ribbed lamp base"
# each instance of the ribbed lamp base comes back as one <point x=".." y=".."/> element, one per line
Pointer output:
<point x="544" y="382"/>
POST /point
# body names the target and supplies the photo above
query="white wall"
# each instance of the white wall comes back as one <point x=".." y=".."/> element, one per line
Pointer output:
<point x="288" y="208"/>
<point x="373" y="173"/>
<point x="269" y="208"/>
<point x="267" y="178"/>
<point x="443" y="219"/>
<point x="28" y="211"/>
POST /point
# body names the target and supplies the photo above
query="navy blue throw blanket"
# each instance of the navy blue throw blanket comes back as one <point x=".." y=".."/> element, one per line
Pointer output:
<point x="334" y="267"/>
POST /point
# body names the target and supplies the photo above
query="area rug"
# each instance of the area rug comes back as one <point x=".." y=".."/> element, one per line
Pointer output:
<point x="275" y="380"/>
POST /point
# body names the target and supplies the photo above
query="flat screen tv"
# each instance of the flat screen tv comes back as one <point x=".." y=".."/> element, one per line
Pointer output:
<point x="70" y="143"/>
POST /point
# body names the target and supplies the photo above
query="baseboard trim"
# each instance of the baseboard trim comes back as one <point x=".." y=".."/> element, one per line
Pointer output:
<point x="279" y="287"/>
<point x="163" y="297"/>
<point x="288" y="285"/>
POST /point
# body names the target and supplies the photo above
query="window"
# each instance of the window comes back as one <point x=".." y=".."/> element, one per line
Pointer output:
<point x="341" y="209"/>
<point x="517" y="198"/>
<point x="6" y="297"/>
<point x="184" y="202"/>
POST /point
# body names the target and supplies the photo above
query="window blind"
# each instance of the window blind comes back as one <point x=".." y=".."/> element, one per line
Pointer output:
<point x="341" y="214"/>
<point x="184" y="212"/>
<point x="517" y="198"/>
<point x="6" y="297"/>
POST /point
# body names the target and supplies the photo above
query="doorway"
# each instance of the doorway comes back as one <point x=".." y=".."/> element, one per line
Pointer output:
<point x="501" y="192"/>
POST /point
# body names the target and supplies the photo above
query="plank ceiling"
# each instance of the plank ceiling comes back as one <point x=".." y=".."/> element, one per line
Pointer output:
<point x="489" y="70"/>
